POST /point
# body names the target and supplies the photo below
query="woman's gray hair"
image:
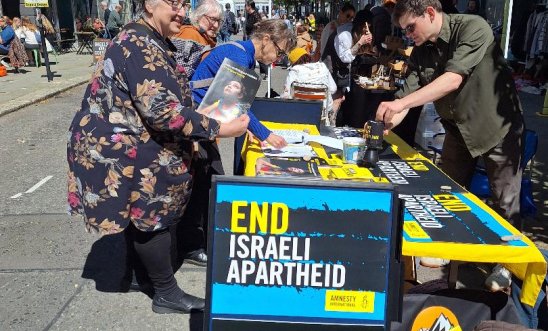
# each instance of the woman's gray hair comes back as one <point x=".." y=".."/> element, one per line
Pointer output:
<point x="140" y="6"/>
<point x="277" y="30"/>
<point x="204" y="8"/>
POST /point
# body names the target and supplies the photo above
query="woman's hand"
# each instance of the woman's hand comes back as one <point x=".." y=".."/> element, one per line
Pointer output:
<point x="234" y="128"/>
<point x="276" y="141"/>
<point x="366" y="38"/>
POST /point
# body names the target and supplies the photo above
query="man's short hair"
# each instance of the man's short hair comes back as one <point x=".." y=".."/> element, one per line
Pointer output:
<point x="227" y="6"/>
<point x="415" y="7"/>
<point x="251" y="4"/>
<point x="348" y="6"/>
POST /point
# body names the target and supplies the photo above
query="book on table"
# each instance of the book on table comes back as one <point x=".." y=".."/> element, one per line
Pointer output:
<point x="288" y="167"/>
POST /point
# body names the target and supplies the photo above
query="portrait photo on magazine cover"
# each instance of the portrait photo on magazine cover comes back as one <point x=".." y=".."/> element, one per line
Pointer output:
<point x="231" y="93"/>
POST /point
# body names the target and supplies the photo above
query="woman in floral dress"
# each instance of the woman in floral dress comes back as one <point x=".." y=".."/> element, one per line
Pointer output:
<point x="130" y="146"/>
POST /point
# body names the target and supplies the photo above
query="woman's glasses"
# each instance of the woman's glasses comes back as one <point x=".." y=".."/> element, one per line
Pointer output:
<point x="176" y="4"/>
<point x="279" y="52"/>
<point x="213" y="20"/>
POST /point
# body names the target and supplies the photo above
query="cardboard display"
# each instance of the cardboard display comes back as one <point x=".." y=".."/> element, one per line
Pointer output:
<point x="302" y="254"/>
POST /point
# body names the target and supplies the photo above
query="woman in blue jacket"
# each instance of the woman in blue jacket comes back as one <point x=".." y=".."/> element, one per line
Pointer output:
<point x="271" y="39"/>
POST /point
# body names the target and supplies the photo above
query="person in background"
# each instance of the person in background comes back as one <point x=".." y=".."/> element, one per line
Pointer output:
<point x="303" y="38"/>
<point x="87" y="26"/>
<point x="114" y="21"/>
<point x="31" y="36"/>
<point x="18" y="28"/>
<point x="381" y="24"/>
<point x="310" y="21"/>
<point x="6" y="36"/>
<point x="472" y="8"/>
<point x="345" y="15"/>
<point x="360" y="106"/>
<point x="341" y="50"/>
<point x="229" y="26"/>
<point x="78" y="24"/>
<point x="241" y="17"/>
<point x="457" y="64"/>
<point x="98" y="27"/>
<point x="129" y="148"/>
<point x="106" y="11"/>
<point x="303" y="70"/>
<point x="270" y="40"/>
<point x="286" y="21"/>
<point x="193" y="42"/>
<point x="253" y="17"/>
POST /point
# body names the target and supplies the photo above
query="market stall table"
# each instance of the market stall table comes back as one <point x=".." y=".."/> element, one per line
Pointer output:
<point x="441" y="219"/>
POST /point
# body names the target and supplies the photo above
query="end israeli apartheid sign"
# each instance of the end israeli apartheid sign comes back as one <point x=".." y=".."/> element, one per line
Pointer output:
<point x="300" y="253"/>
<point x="37" y="3"/>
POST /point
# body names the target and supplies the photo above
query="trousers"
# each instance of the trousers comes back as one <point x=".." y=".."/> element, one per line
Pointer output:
<point x="502" y="165"/>
<point x="149" y="254"/>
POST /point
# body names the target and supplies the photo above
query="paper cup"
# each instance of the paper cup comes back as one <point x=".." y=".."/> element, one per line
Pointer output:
<point x="353" y="149"/>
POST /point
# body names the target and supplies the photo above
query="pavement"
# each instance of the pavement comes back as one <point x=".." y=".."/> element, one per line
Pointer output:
<point x="31" y="85"/>
<point x="62" y="289"/>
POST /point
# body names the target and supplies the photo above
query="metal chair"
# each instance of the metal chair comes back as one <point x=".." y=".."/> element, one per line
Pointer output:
<point x="311" y="92"/>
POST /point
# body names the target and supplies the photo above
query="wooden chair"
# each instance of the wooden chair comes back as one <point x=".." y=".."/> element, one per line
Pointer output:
<point x="311" y="92"/>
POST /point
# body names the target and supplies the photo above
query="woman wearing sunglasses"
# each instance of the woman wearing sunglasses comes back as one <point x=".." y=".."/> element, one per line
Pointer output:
<point x="270" y="40"/>
<point x="130" y="149"/>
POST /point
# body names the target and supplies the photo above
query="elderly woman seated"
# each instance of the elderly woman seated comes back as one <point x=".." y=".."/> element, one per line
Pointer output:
<point x="6" y="36"/>
<point x="314" y="74"/>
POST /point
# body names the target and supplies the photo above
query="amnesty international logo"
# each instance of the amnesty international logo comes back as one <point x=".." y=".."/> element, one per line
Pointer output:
<point x="350" y="301"/>
<point x="436" y="318"/>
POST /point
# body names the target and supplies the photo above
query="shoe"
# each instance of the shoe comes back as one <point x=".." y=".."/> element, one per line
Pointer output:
<point x="265" y="77"/>
<point x="499" y="280"/>
<point x="433" y="262"/>
<point x="197" y="257"/>
<point x="184" y="305"/>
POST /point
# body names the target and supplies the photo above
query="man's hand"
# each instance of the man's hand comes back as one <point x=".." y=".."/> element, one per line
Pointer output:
<point x="388" y="109"/>
<point x="276" y="141"/>
<point x="234" y="128"/>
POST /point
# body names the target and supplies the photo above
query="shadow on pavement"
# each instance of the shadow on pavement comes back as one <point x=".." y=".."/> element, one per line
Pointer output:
<point x="196" y="322"/>
<point x="105" y="263"/>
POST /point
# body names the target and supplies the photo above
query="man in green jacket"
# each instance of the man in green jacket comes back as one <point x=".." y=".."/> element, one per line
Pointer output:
<point x="457" y="64"/>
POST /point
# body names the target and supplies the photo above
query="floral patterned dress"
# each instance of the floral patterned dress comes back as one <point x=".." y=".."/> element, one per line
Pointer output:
<point x="130" y="145"/>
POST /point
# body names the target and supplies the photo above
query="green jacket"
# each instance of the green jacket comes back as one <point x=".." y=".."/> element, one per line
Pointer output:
<point x="486" y="104"/>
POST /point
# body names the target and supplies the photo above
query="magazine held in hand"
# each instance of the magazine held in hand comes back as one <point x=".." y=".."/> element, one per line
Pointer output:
<point x="231" y="93"/>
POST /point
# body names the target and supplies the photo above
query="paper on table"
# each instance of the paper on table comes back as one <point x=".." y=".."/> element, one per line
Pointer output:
<point x="326" y="141"/>
<point x="291" y="150"/>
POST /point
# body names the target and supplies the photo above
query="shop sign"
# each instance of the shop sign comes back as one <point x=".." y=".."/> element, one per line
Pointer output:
<point x="37" y="3"/>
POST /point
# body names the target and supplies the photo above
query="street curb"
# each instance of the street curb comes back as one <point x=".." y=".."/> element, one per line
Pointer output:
<point x="27" y="102"/>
